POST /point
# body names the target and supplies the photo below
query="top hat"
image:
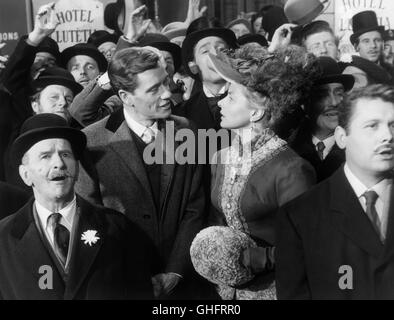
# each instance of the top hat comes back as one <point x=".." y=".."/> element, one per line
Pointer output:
<point x="162" y="43"/>
<point x="303" y="11"/>
<point x="272" y="20"/>
<point x="50" y="46"/>
<point x="363" y="22"/>
<point x="331" y="73"/>
<point x="250" y="38"/>
<point x="99" y="37"/>
<point x="86" y="49"/>
<point x="199" y="29"/>
<point x="46" y="126"/>
<point x="55" y="76"/>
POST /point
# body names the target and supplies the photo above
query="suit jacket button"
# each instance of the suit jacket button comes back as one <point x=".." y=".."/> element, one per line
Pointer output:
<point x="146" y="216"/>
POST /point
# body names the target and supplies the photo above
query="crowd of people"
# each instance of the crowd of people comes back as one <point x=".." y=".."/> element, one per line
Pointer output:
<point x="301" y="192"/>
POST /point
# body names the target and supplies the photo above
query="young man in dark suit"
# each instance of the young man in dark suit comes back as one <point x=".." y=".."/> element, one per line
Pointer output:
<point x="59" y="246"/>
<point x="315" y="140"/>
<point x="337" y="240"/>
<point x="165" y="199"/>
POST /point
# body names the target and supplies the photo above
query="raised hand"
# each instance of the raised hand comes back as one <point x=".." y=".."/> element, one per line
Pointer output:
<point x="3" y="59"/>
<point x="45" y="23"/>
<point x="282" y="37"/>
<point x="194" y="12"/>
<point x="137" y="26"/>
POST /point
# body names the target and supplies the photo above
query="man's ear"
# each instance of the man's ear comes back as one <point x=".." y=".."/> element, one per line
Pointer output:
<point x="340" y="137"/>
<point x="126" y="97"/>
<point x="24" y="174"/>
<point x="193" y="67"/>
<point x="35" y="107"/>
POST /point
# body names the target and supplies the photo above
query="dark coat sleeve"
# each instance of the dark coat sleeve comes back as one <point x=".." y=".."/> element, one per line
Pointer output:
<point x="291" y="279"/>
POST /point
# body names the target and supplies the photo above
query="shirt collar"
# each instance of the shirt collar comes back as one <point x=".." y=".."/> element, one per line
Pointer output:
<point x="359" y="188"/>
<point x="209" y="94"/>
<point x="138" y="128"/>
<point x="68" y="214"/>
<point x="328" y="142"/>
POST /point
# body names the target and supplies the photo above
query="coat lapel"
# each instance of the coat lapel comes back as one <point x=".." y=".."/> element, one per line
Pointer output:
<point x="32" y="251"/>
<point x="389" y="243"/>
<point x="83" y="254"/>
<point x="350" y="217"/>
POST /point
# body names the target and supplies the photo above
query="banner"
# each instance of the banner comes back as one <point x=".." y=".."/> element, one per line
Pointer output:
<point x="346" y="9"/>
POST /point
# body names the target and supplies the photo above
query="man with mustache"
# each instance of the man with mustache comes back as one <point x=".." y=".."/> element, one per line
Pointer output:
<point x="88" y="252"/>
<point x="336" y="241"/>
<point x="367" y="38"/>
<point x="165" y="199"/>
<point x="315" y="139"/>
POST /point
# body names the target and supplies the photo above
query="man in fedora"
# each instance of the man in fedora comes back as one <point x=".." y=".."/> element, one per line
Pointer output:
<point x="59" y="246"/>
<point x="336" y="241"/>
<point x="84" y="62"/>
<point x="315" y="139"/>
<point x="165" y="199"/>
<point x="367" y="39"/>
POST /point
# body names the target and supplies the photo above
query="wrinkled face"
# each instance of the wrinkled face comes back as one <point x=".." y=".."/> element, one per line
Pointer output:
<point x="240" y="29"/>
<point x="332" y="95"/>
<point x="107" y="49"/>
<point x="42" y="60"/>
<point x="83" y="68"/>
<point x="170" y="63"/>
<point x="51" y="169"/>
<point x="322" y="44"/>
<point x="369" y="139"/>
<point x="151" y="98"/>
<point x="54" y="99"/>
<point x="201" y="59"/>
<point x="388" y="52"/>
<point x="370" y="46"/>
<point x="235" y="108"/>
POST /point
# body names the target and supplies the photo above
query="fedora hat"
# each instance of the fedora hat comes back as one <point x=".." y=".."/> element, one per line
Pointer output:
<point x="216" y="253"/>
<point x="331" y="73"/>
<point x="86" y="49"/>
<point x="55" y="76"/>
<point x="46" y="126"/>
<point x="50" y="46"/>
<point x="199" y="29"/>
<point x="363" y="22"/>
<point x="99" y="37"/>
<point x="162" y="43"/>
<point x="303" y="11"/>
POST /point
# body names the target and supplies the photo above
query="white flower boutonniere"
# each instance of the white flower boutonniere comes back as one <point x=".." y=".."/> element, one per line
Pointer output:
<point x="89" y="237"/>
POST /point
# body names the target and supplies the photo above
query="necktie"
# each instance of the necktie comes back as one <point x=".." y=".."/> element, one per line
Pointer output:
<point x="320" y="148"/>
<point x="148" y="136"/>
<point x="61" y="237"/>
<point x="371" y="197"/>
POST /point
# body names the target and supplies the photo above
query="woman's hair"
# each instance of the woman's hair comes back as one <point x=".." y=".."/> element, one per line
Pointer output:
<point x="284" y="77"/>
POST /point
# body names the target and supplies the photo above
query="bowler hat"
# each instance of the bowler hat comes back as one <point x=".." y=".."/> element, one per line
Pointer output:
<point x="162" y="43"/>
<point x="99" y="37"/>
<point x="250" y="38"/>
<point x="86" y="49"/>
<point x="55" y="76"/>
<point x="50" y="46"/>
<point x="272" y="20"/>
<point x="199" y="29"/>
<point x="331" y="73"/>
<point x="363" y="22"/>
<point x="303" y="11"/>
<point x="46" y="126"/>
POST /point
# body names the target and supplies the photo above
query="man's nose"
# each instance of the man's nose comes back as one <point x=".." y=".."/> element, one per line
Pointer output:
<point x="58" y="162"/>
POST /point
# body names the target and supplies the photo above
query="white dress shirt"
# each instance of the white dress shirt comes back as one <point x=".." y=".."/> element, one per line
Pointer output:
<point x="138" y="128"/>
<point x="68" y="214"/>
<point x="383" y="190"/>
<point x="328" y="143"/>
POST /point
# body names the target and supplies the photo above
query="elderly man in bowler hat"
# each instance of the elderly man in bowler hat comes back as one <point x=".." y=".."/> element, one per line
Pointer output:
<point x="87" y="252"/>
<point x="315" y="139"/>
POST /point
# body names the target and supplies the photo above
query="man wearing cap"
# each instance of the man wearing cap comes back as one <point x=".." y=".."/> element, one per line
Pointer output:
<point x="59" y="246"/>
<point x="336" y="241"/>
<point x="165" y="199"/>
<point x="367" y="39"/>
<point x="388" y="52"/>
<point x="315" y="139"/>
